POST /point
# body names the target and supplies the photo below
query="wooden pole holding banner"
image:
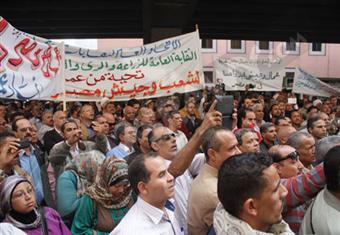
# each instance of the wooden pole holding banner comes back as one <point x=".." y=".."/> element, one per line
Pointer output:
<point x="63" y="77"/>
<point x="64" y="105"/>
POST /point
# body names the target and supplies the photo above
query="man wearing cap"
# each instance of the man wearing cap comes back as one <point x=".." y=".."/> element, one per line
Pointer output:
<point x="317" y="103"/>
<point x="107" y="106"/>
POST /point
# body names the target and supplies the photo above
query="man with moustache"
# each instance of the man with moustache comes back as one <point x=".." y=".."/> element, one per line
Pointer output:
<point x="286" y="161"/>
<point x="63" y="152"/>
<point x="31" y="160"/>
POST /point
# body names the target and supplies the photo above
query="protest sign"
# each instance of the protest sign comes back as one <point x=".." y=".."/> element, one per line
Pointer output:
<point x="264" y="73"/>
<point x="153" y="70"/>
<point x="305" y="83"/>
<point x="30" y="67"/>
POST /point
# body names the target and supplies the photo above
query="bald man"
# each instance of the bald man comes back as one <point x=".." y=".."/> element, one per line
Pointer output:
<point x="284" y="132"/>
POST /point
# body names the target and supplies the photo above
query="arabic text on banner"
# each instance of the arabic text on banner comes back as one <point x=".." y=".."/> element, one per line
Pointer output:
<point x="266" y="74"/>
<point x="305" y="83"/>
<point x="30" y="67"/>
<point x="153" y="70"/>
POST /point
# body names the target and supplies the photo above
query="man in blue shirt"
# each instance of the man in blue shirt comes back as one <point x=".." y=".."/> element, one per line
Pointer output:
<point x="30" y="159"/>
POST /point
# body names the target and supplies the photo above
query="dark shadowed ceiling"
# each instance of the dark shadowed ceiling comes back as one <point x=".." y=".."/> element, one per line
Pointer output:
<point x="274" y="20"/>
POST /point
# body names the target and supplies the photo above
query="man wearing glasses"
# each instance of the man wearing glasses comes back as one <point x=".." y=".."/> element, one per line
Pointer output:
<point x="111" y="121"/>
<point x="286" y="160"/>
<point x="30" y="160"/>
<point x="183" y="164"/>
<point x="305" y="185"/>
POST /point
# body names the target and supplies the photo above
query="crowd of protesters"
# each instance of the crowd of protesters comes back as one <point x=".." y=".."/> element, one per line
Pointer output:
<point x="168" y="166"/>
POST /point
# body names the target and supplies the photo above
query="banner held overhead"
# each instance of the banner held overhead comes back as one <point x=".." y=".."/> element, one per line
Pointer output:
<point x="264" y="73"/>
<point x="30" y="67"/>
<point x="307" y="84"/>
<point x="153" y="70"/>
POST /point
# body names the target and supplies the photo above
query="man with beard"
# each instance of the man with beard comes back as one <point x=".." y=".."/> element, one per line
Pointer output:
<point x="275" y="112"/>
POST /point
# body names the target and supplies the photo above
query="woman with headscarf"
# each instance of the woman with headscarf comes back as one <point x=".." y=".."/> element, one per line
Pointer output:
<point x="74" y="181"/>
<point x="18" y="203"/>
<point x="106" y="201"/>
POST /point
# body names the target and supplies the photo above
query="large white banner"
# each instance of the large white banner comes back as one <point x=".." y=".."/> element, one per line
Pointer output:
<point x="305" y="83"/>
<point x="157" y="69"/>
<point x="30" y="67"/>
<point x="265" y="74"/>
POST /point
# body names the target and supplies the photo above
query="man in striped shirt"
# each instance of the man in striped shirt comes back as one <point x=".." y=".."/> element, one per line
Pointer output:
<point x="301" y="187"/>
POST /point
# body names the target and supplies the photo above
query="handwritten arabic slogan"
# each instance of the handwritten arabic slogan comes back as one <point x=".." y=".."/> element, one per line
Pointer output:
<point x="153" y="70"/>
<point x="30" y="67"/>
<point x="305" y="83"/>
<point x="265" y="73"/>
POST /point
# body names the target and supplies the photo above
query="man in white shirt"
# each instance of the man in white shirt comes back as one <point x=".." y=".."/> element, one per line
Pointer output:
<point x="154" y="185"/>
<point x="163" y="141"/>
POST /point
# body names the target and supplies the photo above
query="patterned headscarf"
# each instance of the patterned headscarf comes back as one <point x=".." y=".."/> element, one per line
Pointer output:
<point x="110" y="171"/>
<point x="85" y="167"/>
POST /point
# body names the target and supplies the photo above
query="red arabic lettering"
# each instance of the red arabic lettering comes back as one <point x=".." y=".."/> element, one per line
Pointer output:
<point x="3" y="53"/>
<point x="48" y="61"/>
<point x="25" y="49"/>
<point x="85" y="92"/>
<point x="3" y="25"/>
